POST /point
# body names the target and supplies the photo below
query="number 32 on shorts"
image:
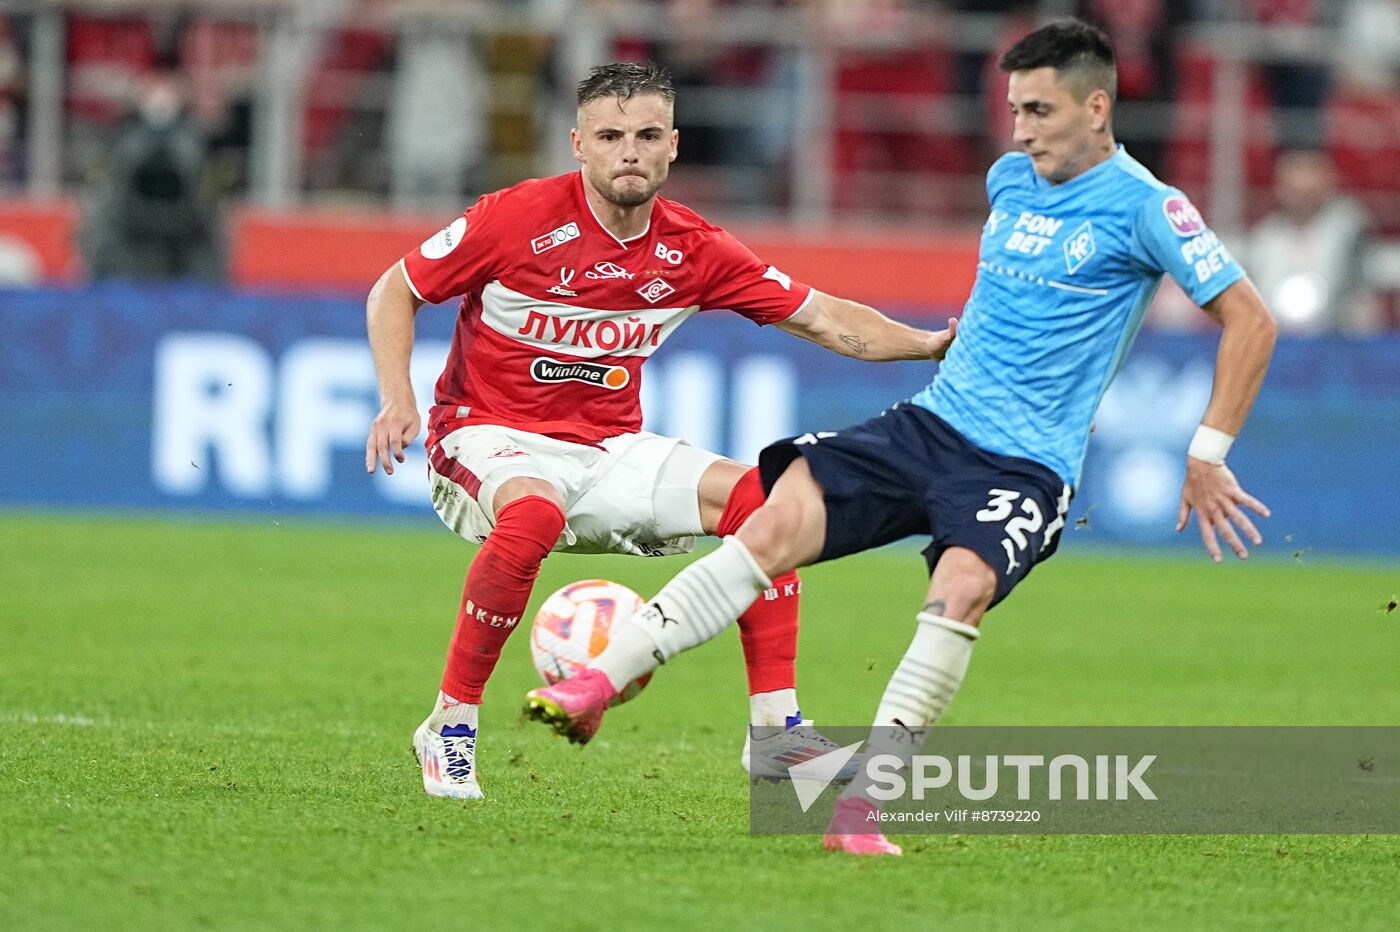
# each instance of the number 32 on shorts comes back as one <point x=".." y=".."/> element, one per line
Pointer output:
<point x="1019" y="527"/>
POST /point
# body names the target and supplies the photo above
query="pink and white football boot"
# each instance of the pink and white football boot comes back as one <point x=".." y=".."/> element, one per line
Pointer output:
<point x="850" y="832"/>
<point x="574" y="707"/>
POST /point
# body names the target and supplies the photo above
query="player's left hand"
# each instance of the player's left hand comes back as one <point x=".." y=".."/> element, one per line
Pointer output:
<point x="1215" y="495"/>
<point x="940" y="340"/>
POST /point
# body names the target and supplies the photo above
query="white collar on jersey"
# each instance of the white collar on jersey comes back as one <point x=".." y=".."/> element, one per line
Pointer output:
<point x="621" y="242"/>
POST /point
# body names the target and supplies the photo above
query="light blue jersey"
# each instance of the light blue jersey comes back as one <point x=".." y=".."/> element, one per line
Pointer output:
<point x="1064" y="275"/>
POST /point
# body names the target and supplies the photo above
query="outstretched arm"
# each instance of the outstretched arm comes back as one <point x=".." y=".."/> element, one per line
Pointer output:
<point x="862" y="332"/>
<point x="1211" y="490"/>
<point x="389" y="313"/>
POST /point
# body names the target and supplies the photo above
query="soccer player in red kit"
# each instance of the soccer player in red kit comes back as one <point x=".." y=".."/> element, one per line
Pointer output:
<point x="535" y="441"/>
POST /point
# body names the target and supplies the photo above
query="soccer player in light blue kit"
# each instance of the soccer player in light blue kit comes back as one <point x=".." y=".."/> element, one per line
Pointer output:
<point x="985" y="459"/>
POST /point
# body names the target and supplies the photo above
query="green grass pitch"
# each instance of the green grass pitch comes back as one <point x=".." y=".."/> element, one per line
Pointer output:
<point x="207" y="726"/>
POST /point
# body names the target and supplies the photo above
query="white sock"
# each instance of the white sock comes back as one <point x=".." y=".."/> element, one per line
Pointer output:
<point x="924" y="683"/>
<point x="773" y="708"/>
<point x="448" y="711"/>
<point x="929" y="674"/>
<point x="695" y="606"/>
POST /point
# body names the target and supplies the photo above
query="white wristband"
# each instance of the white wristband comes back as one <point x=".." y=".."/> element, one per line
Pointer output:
<point x="1210" y="445"/>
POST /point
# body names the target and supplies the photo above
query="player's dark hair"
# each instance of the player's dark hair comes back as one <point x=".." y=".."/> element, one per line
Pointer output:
<point x="625" y="80"/>
<point x="1081" y="53"/>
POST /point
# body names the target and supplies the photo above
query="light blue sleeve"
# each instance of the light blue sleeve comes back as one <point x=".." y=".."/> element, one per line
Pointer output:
<point x="1170" y="236"/>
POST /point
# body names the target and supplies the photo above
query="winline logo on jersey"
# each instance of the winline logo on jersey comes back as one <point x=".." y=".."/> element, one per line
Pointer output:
<point x="1069" y="780"/>
<point x="591" y="373"/>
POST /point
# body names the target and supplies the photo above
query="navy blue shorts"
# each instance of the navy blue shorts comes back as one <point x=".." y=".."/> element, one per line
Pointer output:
<point x="908" y="472"/>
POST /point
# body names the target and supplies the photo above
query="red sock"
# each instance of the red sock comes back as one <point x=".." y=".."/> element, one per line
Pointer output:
<point x="498" y="586"/>
<point x="768" y="630"/>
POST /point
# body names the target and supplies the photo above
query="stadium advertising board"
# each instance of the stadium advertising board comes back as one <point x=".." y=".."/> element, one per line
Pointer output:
<point x="208" y="400"/>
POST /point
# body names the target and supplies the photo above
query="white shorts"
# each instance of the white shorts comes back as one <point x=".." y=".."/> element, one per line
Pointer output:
<point x="638" y="494"/>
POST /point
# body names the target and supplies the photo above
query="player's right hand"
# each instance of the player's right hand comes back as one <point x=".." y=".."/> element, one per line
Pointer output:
<point x="395" y="428"/>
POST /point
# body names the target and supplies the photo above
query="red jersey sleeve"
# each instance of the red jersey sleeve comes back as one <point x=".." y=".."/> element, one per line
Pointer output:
<point x="458" y="259"/>
<point x="738" y="281"/>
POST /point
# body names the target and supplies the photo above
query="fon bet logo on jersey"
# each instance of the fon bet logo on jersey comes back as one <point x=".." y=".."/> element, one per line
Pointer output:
<point x="556" y="237"/>
<point x="590" y="373"/>
<point x="1033" y="233"/>
<point x="1206" y="254"/>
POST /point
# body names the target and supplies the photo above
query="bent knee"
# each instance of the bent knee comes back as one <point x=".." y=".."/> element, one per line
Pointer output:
<point x="770" y="534"/>
<point x="769" y="525"/>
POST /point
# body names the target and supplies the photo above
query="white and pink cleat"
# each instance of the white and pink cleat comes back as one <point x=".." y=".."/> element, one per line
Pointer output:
<point x="446" y="754"/>
<point x="849" y="830"/>
<point x="574" y="707"/>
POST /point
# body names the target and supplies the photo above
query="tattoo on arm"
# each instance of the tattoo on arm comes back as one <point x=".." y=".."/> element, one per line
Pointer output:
<point x="857" y="345"/>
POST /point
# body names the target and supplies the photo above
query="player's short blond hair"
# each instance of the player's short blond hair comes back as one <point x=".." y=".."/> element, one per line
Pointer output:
<point x="625" y="80"/>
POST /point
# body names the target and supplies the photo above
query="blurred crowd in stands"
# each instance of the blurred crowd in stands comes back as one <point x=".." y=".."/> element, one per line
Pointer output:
<point x="160" y="115"/>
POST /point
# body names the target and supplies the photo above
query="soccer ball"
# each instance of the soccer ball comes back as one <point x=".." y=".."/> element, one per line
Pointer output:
<point x="572" y="628"/>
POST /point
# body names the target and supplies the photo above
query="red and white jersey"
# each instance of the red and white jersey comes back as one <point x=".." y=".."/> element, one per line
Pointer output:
<point x="558" y="314"/>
